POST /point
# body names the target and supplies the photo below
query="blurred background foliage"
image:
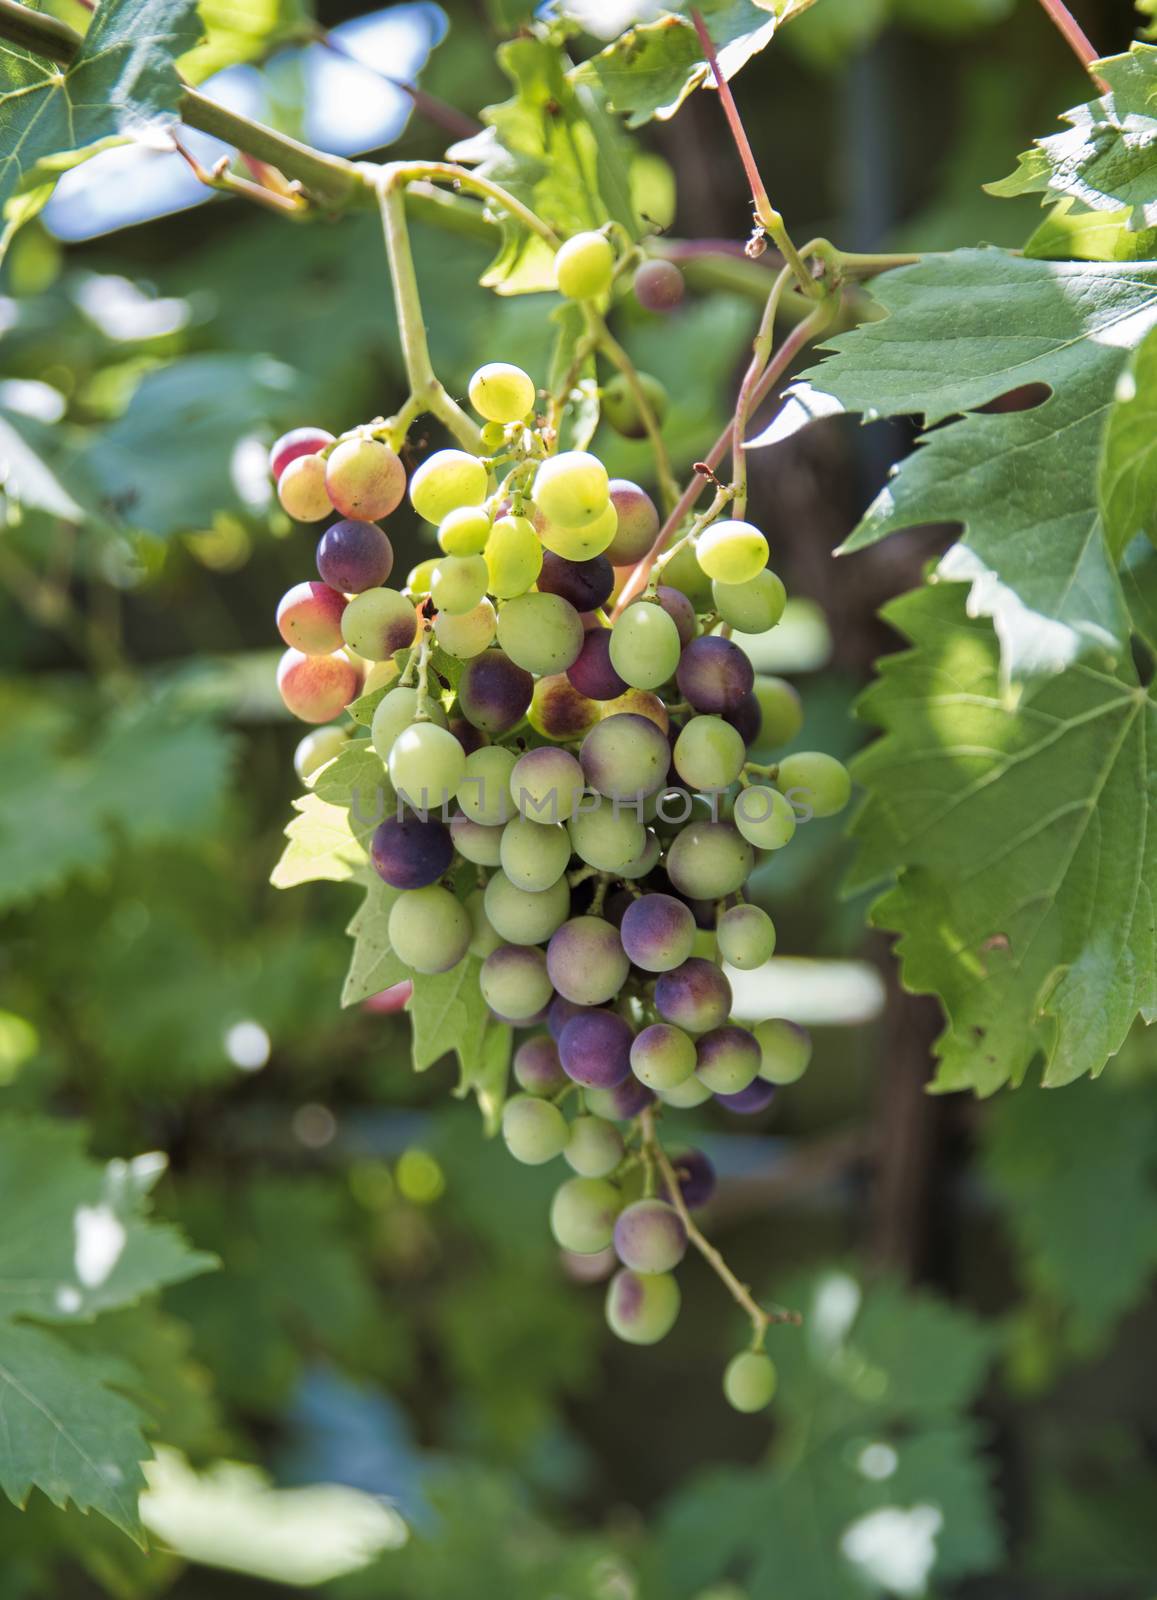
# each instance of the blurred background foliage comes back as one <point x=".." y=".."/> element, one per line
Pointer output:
<point x="391" y="1387"/>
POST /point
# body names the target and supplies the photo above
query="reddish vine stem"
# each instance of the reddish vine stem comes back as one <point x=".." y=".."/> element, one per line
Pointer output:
<point x="1075" y="37"/>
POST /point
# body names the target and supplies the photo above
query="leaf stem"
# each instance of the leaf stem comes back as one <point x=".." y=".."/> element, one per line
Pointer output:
<point x="761" y="353"/>
<point x="1075" y="37"/>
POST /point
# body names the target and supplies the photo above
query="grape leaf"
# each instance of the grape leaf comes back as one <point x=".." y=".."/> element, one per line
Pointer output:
<point x="122" y="80"/>
<point x="356" y="780"/>
<point x="1108" y="156"/>
<point x="1068" y="235"/>
<point x="321" y="846"/>
<point x="1021" y="839"/>
<point x="484" y="1064"/>
<point x="960" y="331"/>
<point x="1128" y="476"/>
<point x="373" y="965"/>
<point x="1139" y="579"/>
<point x="39" y="473"/>
<point x="448" y="1013"/>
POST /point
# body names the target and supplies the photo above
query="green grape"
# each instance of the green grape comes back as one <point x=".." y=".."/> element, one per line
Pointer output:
<point x="534" y="854"/>
<point x="684" y="573"/>
<point x="426" y="765"/>
<point x="419" y="578"/>
<point x="302" y="491"/>
<point x="524" y="917"/>
<point x="582" y="1215"/>
<point x="513" y="557"/>
<point x="731" y="552"/>
<point x="484" y="790"/>
<point x="728" y="1059"/>
<point x="642" y="1306"/>
<point x="595" y="1147"/>
<point x="607" y="837"/>
<point x="709" y="753"/>
<point x="464" y="531"/>
<point x="501" y="393"/>
<point x="483" y="937"/>
<point x="377" y="622"/>
<point x="466" y="636"/>
<point x="780" y="711"/>
<point x="394" y="713"/>
<point x="663" y="1057"/>
<point x="534" y="1130"/>
<point x="429" y="929"/>
<point x="746" y="937"/>
<point x="707" y="860"/>
<point x="514" y="982"/>
<point x="645" y="645"/>
<point x="785" y="1050"/>
<point x="572" y="489"/>
<point x="817" y="784"/>
<point x="685" y="1096"/>
<point x="621" y="407"/>
<point x="752" y="607"/>
<point x="584" y="266"/>
<point x="316" y="749"/>
<point x="580" y="544"/>
<point x="458" y="584"/>
<point x="493" y="435"/>
<point x="749" y="1381"/>
<point x="474" y="841"/>
<point x="541" y="632"/>
<point x="647" y="859"/>
<point x="764" y="817"/>
<point x="446" y="480"/>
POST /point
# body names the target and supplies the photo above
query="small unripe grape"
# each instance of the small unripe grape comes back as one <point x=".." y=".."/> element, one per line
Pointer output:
<point x="533" y="1130"/>
<point x="429" y="929"/>
<point x="642" y="1306"/>
<point x="572" y="489"/>
<point x="784" y="1050"/>
<point x="352" y="556"/>
<point x="420" y="577"/>
<point x="458" y="584"/>
<point x="466" y="636"/>
<point x="815" y="783"/>
<point x="501" y="393"/>
<point x="752" y="607"/>
<point x="622" y="409"/>
<point x="645" y="645"/>
<point x="658" y="285"/>
<point x="464" y="531"/>
<point x="514" y="982"/>
<point x="731" y="551"/>
<point x="746" y="937"/>
<point x="586" y="961"/>
<point x="546" y="784"/>
<point x="484" y="790"/>
<point x="594" y="1047"/>
<point x="474" y="841"/>
<point x="781" y="714"/>
<point x="297" y="442"/>
<point x="316" y="749"/>
<point x="764" y="817"/>
<point x="541" y="632"/>
<point x="394" y="713"/>
<point x="647" y="859"/>
<point x="749" y="1380"/>
<point x="317" y="688"/>
<point x="582" y="1214"/>
<point x="523" y="916"/>
<point x="650" y="1237"/>
<point x="608" y="837"/>
<point x="729" y="1059"/>
<point x="377" y="622"/>
<point x="695" y="997"/>
<point x="714" y="675"/>
<point x="513" y="557"/>
<point x="687" y="1095"/>
<point x="446" y="480"/>
<point x="537" y="1068"/>
<point x="683" y="572"/>
<point x="595" y="1147"/>
<point x="708" y="860"/>
<point x="663" y="1057"/>
<point x="534" y="854"/>
<point x="426" y="765"/>
<point x="558" y="710"/>
<point x="301" y="489"/>
<point x="579" y="544"/>
<point x="309" y="618"/>
<point x="365" y="479"/>
<point x="494" y="693"/>
<point x="493" y="435"/>
<point x="638" y="523"/>
<point x="709" y="753"/>
<point x="657" y="932"/>
<point x="584" y="266"/>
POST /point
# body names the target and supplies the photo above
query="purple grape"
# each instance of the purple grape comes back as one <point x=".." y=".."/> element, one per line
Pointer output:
<point x="558" y="709"/>
<point x="592" y="674"/>
<point x="658" y="285"/>
<point x="493" y="693"/>
<point x="409" y="853"/>
<point x="714" y="674"/>
<point x="595" y="1049"/>
<point x="622" y="1102"/>
<point x="354" y="556"/>
<point x="537" y="1068"/>
<point x="695" y="996"/>
<point x="680" y="610"/>
<point x="468" y="737"/>
<point x="658" y="932"/>
<point x="559" y="1013"/>
<point x="756" y="1097"/>
<point x="696" y="1177"/>
<point x="586" y="584"/>
<point x="746" y="718"/>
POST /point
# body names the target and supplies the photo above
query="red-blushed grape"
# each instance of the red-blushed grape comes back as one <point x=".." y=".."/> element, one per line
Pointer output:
<point x="474" y="841"/>
<point x="523" y="916"/>
<point x="658" y="285"/>
<point x="377" y="622"/>
<point x="607" y="837"/>
<point x="467" y="635"/>
<point x="572" y="489"/>
<point x="638" y="523"/>
<point x="750" y="1380"/>
<point x="458" y="584"/>
<point x="541" y="632"/>
<point x="537" y="1069"/>
<point x="502" y="393"/>
<point x="595" y="1147"/>
<point x="429" y="929"/>
<point x="745" y="936"/>
<point x="534" y="854"/>
<point x="446" y="480"/>
<point x="353" y="556"/>
<point x="709" y="754"/>
<point x="585" y="585"/>
<point x="591" y="673"/>
<point x="622" y="408"/>
<point x="714" y="674"/>
<point x="394" y="713"/>
<point x="494" y="693"/>
<point x="750" y="1101"/>
<point x="625" y="758"/>
<point x="695" y="1175"/>
<point x="584" y="266"/>
<point x="695" y="996"/>
<point x="317" y="749"/>
<point x="514" y="981"/>
<point x="663" y="1056"/>
<point x="582" y="1214"/>
<point x="484" y="789"/>
<point x="817" y="784"/>
<point x="642" y="1306"/>
<point x="317" y="688"/>
<point x="639" y="703"/>
<point x="586" y="961"/>
<point x="546" y="784"/>
<point x="595" y="1048"/>
<point x="752" y="607"/>
<point x="785" y="1050"/>
<point x="650" y="1236"/>
<point x="780" y="711"/>
<point x="533" y="1130"/>
<point x="426" y="766"/>
<point x="558" y="711"/>
<point x="764" y="817"/>
<point x="731" y="552"/>
<point x="309" y="618"/>
<point x="365" y="479"/>
<point x="728" y="1059"/>
<point x="708" y="860"/>
<point x="658" y="932"/>
<point x="645" y="645"/>
<point x="302" y="492"/>
<point x="409" y="852"/>
<point x="297" y="442"/>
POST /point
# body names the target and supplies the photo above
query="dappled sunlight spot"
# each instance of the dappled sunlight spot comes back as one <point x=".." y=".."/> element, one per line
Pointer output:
<point x="314" y="1126"/>
<point x="800" y="642"/>
<point x="100" y="1241"/>
<point x="19" y="1042"/>
<point x="419" y="1177"/>
<point x="249" y="472"/>
<point x="349" y="105"/>
<point x="123" y="311"/>
<point x="835" y="1308"/>
<point x="32" y="398"/>
<point x="68" y="1299"/>
<point x="247" y="1045"/>
<point x="824" y="993"/>
<point x="877" y="1461"/>
<point x="895" y="1549"/>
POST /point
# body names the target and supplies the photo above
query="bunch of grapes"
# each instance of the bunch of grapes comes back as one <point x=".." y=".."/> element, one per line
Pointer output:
<point x="573" y="804"/>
